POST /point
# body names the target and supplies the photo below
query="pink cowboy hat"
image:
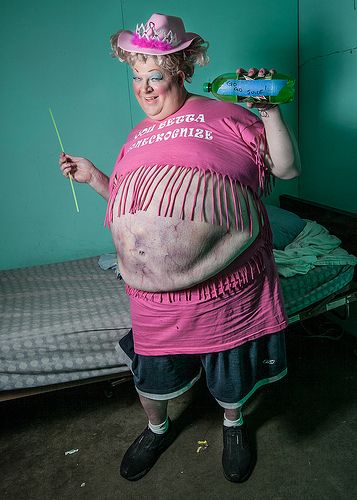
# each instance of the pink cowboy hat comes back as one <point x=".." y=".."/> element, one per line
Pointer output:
<point x="160" y="35"/>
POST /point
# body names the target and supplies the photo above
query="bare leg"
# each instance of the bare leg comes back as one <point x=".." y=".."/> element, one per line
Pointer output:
<point x="156" y="411"/>
<point x="232" y="414"/>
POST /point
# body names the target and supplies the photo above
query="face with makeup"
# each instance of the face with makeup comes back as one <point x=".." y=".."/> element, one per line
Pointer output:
<point x="158" y="92"/>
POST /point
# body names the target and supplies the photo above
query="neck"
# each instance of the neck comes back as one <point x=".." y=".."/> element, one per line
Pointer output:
<point x="184" y="96"/>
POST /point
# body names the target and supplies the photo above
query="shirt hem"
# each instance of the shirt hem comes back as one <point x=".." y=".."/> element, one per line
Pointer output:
<point x="217" y="348"/>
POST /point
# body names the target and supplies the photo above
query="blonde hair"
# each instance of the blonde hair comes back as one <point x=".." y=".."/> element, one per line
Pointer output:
<point x="183" y="60"/>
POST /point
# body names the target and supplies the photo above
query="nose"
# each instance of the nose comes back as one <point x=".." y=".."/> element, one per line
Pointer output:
<point x="146" y="87"/>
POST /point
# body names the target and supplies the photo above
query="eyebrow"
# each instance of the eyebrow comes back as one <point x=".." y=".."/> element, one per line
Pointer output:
<point x="150" y="70"/>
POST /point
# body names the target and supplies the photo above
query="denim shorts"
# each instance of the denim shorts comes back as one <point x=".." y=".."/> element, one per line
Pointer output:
<point x="232" y="376"/>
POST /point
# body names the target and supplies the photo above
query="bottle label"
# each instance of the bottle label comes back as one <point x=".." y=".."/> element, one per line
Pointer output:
<point x="251" y="88"/>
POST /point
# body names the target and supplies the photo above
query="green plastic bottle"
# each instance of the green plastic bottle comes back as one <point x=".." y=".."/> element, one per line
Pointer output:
<point x="275" y="89"/>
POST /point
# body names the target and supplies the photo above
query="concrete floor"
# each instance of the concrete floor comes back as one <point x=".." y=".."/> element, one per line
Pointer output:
<point x="304" y="429"/>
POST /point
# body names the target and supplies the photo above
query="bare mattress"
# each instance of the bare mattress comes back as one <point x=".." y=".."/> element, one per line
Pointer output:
<point x="60" y="323"/>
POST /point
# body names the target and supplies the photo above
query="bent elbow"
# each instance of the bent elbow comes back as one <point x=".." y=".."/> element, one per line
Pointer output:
<point x="286" y="172"/>
<point x="291" y="174"/>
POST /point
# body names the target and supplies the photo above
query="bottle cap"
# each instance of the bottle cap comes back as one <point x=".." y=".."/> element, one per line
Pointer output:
<point x="207" y="87"/>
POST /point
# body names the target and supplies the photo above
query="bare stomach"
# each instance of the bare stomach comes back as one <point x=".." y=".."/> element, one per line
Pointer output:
<point x="167" y="253"/>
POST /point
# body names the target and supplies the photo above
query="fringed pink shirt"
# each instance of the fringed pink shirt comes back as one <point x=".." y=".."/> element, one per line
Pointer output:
<point x="205" y="139"/>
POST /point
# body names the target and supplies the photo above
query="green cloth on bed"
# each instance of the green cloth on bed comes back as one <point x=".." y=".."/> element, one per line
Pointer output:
<point x="314" y="246"/>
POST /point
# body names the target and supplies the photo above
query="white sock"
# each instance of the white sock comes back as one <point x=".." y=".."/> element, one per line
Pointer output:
<point x="233" y="423"/>
<point x="159" y="428"/>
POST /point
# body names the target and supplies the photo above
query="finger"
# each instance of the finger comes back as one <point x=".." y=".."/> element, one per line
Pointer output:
<point x="68" y="165"/>
<point x="252" y="71"/>
<point x="71" y="157"/>
<point x="69" y="170"/>
<point x="65" y="169"/>
<point x="66" y="161"/>
<point x="64" y="157"/>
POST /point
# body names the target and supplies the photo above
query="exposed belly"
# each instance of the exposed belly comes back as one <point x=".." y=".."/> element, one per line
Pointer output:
<point x="168" y="253"/>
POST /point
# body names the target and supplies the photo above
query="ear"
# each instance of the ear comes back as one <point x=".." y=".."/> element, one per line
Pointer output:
<point x="181" y="78"/>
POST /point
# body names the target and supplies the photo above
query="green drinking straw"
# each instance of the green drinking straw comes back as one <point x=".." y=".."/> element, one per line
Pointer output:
<point x="61" y="144"/>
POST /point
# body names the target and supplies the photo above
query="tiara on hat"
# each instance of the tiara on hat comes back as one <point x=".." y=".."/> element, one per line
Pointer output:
<point x="160" y="35"/>
<point x="147" y="36"/>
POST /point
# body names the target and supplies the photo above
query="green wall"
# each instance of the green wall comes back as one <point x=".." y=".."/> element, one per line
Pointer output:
<point x="57" y="54"/>
<point x="327" y="104"/>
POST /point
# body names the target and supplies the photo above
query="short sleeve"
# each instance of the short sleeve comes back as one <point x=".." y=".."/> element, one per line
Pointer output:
<point x="254" y="137"/>
<point x="115" y="169"/>
<point x="113" y="188"/>
<point x="253" y="132"/>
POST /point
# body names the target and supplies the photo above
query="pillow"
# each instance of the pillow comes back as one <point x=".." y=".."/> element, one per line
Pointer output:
<point x="285" y="226"/>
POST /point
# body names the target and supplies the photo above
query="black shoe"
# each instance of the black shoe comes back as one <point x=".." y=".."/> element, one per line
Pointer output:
<point x="237" y="459"/>
<point x="144" y="452"/>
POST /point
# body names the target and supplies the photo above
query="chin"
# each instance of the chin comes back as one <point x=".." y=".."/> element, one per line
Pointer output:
<point x="150" y="111"/>
<point x="156" y="116"/>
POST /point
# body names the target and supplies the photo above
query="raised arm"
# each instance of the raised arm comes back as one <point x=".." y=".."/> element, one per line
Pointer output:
<point x="283" y="156"/>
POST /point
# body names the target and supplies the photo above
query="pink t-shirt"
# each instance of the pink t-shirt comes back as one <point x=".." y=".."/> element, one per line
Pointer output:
<point x="204" y="134"/>
<point x="224" y="140"/>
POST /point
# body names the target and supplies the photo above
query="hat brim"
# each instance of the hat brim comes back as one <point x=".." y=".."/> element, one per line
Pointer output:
<point x="125" y="42"/>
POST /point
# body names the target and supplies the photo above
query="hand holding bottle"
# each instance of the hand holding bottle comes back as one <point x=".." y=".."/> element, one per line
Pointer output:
<point x="254" y="73"/>
<point x="258" y="88"/>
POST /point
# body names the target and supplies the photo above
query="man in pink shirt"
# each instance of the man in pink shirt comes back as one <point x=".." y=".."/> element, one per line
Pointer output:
<point x="193" y="241"/>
